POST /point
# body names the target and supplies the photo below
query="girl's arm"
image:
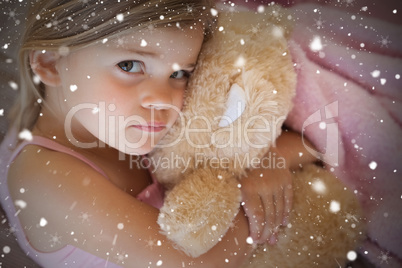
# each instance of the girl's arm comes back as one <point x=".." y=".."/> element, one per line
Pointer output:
<point x="292" y="147"/>
<point x="85" y="210"/>
<point x="267" y="190"/>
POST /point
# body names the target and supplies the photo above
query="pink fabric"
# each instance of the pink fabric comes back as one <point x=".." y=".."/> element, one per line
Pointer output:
<point x="154" y="194"/>
<point x="362" y="80"/>
<point x="354" y="84"/>
<point x="369" y="148"/>
<point x="68" y="256"/>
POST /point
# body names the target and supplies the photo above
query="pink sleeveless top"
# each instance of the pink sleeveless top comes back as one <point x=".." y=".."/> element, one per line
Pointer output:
<point x="68" y="256"/>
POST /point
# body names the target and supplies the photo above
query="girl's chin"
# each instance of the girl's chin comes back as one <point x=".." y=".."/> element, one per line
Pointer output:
<point x="136" y="151"/>
<point x="134" y="145"/>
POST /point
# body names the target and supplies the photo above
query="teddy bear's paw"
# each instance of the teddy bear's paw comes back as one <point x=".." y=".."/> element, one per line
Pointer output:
<point x="326" y="223"/>
<point x="199" y="210"/>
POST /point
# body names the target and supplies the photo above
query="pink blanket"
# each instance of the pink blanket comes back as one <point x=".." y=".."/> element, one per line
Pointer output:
<point x="348" y="58"/>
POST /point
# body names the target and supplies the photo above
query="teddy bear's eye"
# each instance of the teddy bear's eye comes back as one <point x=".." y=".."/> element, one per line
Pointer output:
<point x="131" y="66"/>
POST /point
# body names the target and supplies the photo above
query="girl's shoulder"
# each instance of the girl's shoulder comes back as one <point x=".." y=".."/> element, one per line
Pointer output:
<point x="56" y="188"/>
<point x="68" y="200"/>
<point x="37" y="164"/>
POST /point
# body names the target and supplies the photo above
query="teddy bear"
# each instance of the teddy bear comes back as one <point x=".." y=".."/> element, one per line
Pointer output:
<point x="235" y="105"/>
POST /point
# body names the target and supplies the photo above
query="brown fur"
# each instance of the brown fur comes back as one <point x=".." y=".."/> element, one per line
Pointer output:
<point x="204" y="196"/>
<point x="316" y="236"/>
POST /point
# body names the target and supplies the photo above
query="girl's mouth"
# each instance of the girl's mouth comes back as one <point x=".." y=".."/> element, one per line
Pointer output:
<point x="151" y="127"/>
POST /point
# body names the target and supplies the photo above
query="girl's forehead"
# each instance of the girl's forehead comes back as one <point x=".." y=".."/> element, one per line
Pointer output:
<point x="143" y="38"/>
<point x="156" y="38"/>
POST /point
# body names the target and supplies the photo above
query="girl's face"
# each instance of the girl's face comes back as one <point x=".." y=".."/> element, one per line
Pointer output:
<point x="127" y="92"/>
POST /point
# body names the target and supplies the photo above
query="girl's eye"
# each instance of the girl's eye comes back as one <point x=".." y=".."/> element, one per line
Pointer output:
<point x="131" y="66"/>
<point x="180" y="74"/>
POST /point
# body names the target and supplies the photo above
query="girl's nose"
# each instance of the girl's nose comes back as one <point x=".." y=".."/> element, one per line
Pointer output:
<point x="157" y="96"/>
<point x="156" y="106"/>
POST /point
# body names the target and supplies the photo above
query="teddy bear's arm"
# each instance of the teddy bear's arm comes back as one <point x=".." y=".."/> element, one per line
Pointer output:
<point x="196" y="212"/>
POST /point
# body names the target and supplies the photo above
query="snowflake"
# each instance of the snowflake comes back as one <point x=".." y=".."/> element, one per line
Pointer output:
<point x="10" y="230"/>
<point x="84" y="216"/>
<point x="190" y="9"/>
<point x="120" y="257"/>
<point x="320" y="240"/>
<point x="384" y="42"/>
<point x="234" y="225"/>
<point x="349" y="2"/>
<point x="151" y="243"/>
<point x="13" y="15"/>
<point x="352" y="217"/>
<point x="384" y="257"/>
<point x="54" y="240"/>
<point x="319" y="23"/>
<point x="255" y="29"/>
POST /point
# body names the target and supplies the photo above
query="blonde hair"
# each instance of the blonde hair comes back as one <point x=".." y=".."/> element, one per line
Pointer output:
<point x="70" y="24"/>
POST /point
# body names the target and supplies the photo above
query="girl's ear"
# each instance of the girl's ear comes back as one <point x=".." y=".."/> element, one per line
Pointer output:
<point x="43" y="64"/>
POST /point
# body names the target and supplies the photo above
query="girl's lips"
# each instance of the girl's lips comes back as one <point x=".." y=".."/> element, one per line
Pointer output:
<point x="151" y="127"/>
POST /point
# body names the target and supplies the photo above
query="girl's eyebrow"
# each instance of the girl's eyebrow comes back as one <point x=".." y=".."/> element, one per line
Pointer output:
<point x="140" y="52"/>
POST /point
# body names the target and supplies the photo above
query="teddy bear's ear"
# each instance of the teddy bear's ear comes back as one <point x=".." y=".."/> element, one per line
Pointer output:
<point x="235" y="105"/>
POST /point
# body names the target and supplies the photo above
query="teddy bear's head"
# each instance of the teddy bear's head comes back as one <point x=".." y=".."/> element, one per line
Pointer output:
<point x="237" y="98"/>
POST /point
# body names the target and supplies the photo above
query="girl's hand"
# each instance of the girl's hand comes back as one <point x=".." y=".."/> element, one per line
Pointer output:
<point x="267" y="200"/>
<point x="267" y="192"/>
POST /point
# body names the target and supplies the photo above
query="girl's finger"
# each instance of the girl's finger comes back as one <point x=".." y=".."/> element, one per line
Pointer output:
<point x="273" y="239"/>
<point x="270" y="218"/>
<point x="288" y="192"/>
<point x="255" y="214"/>
<point x="279" y="208"/>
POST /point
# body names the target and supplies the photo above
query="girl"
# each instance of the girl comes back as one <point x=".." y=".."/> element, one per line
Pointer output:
<point x="101" y="81"/>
